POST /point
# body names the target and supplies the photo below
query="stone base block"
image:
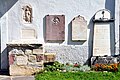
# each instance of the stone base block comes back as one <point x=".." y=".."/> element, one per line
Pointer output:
<point x="16" y="70"/>
<point x="103" y="60"/>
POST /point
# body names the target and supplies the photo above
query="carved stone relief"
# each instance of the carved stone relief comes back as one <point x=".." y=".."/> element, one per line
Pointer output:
<point x="27" y="14"/>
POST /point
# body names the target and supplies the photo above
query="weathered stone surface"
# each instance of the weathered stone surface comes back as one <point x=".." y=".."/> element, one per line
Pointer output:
<point x="49" y="57"/>
<point x="40" y="57"/>
<point x="103" y="60"/>
<point x="5" y="79"/>
<point x="25" y="63"/>
<point x="69" y="54"/>
<point x="16" y="51"/>
<point x="101" y="43"/>
<point x="11" y="59"/>
<point x="36" y="64"/>
<point x="21" y="60"/>
<point x="24" y="70"/>
<point x="32" y="58"/>
<point x="37" y="51"/>
<point x="79" y="28"/>
<point x="28" y="51"/>
<point x="28" y="34"/>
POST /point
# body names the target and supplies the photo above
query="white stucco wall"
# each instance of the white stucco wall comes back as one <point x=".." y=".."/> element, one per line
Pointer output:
<point x="11" y="24"/>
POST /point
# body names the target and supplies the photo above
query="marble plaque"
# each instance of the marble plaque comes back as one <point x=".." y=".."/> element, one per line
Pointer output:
<point x="79" y="28"/>
<point x="101" y="43"/>
<point x="21" y="60"/>
<point x="28" y="34"/>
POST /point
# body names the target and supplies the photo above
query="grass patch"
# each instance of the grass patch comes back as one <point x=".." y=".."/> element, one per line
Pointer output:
<point x="78" y="76"/>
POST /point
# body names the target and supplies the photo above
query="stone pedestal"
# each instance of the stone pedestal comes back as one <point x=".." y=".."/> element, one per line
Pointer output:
<point x="22" y="61"/>
<point x="103" y="60"/>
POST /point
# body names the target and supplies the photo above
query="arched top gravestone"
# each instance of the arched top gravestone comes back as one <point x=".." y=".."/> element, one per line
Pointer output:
<point x="79" y="29"/>
<point x="101" y="43"/>
<point x="103" y="15"/>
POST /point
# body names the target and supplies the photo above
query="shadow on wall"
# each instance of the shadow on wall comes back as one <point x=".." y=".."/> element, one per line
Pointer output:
<point x="110" y="5"/>
<point x="90" y="39"/>
<point x="5" y="5"/>
<point x="70" y="42"/>
<point x="44" y="28"/>
<point x="5" y="61"/>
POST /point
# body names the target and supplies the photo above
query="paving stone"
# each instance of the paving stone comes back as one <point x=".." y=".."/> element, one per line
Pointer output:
<point x="5" y="78"/>
<point x="24" y="78"/>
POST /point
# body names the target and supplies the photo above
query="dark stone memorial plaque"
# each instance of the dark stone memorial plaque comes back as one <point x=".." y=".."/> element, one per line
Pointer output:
<point x="55" y="27"/>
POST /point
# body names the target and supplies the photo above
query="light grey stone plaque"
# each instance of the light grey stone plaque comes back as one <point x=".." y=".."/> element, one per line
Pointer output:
<point x="28" y="34"/>
<point x="37" y="51"/>
<point x="101" y="43"/>
<point x="79" y="29"/>
<point x="21" y="60"/>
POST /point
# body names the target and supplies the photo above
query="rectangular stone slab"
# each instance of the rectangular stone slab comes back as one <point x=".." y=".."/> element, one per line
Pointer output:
<point x="28" y="34"/>
<point x="101" y="43"/>
<point x="79" y="29"/>
<point x="55" y="28"/>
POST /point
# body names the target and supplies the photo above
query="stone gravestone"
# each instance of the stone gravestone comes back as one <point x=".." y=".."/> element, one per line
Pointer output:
<point x="55" y="28"/>
<point x="79" y="29"/>
<point x="101" y="41"/>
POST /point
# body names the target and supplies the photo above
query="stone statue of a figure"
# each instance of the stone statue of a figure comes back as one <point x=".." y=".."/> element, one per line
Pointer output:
<point x="27" y="14"/>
